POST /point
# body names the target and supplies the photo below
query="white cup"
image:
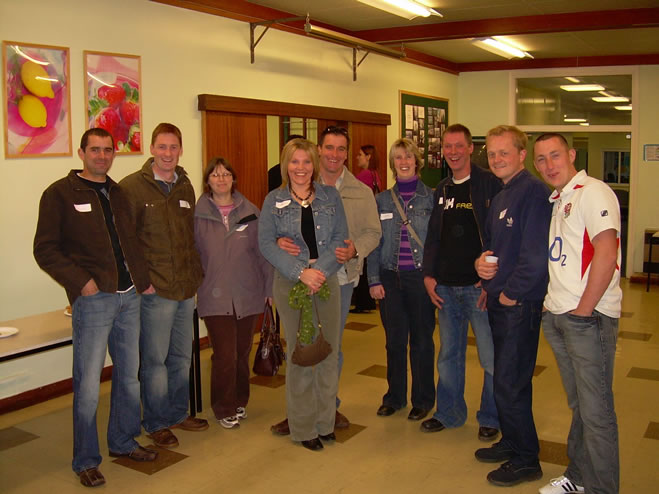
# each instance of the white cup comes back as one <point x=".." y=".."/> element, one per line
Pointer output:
<point x="493" y="259"/>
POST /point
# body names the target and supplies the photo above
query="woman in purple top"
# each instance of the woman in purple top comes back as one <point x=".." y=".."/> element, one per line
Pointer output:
<point x="367" y="160"/>
<point x="395" y="278"/>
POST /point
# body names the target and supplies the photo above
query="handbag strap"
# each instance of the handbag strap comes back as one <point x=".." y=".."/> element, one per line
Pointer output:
<point x="406" y="222"/>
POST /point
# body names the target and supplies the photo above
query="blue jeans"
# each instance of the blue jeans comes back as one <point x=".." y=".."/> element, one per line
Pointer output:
<point x="458" y="310"/>
<point x="408" y="314"/>
<point x="585" y="349"/>
<point x="166" y="348"/>
<point x="100" y="321"/>
<point x="346" y="297"/>
<point x="515" y="332"/>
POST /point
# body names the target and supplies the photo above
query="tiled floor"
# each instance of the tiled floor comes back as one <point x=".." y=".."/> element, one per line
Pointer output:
<point x="375" y="455"/>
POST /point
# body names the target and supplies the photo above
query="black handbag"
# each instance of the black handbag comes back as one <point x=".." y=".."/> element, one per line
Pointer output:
<point x="270" y="354"/>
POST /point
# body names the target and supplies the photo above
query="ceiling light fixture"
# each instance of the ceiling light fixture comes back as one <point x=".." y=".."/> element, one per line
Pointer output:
<point x="403" y="8"/>
<point x="610" y="99"/>
<point x="582" y="87"/>
<point x="584" y="124"/>
<point x="574" y="120"/>
<point x="573" y="79"/>
<point x="499" y="47"/>
<point x="624" y="108"/>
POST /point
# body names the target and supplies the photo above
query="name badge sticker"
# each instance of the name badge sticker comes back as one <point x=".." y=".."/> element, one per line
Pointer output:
<point x="441" y="200"/>
<point x="282" y="204"/>
<point x="502" y="214"/>
<point x="241" y="228"/>
<point x="83" y="208"/>
<point x="386" y="216"/>
<point x="184" y="204"/>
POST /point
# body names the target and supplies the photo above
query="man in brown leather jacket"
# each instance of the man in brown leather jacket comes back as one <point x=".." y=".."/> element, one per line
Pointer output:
<point x="86" y="242"/>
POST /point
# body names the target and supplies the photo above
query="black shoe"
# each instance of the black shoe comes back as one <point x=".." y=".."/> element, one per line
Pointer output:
<point x="495" y="453"/>
<point x="417" y="413"/>
<point x="487" y="433"/>
<point x="359" y="311"/>
<point x="313" y="444"/>
<point x="386" y="410"/>
<point x="508" y="474"/>
<point x="328" y="437"/>
<point x="432" y="425"/>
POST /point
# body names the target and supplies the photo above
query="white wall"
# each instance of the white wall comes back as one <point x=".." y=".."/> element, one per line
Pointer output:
<point x="184" y="53"/>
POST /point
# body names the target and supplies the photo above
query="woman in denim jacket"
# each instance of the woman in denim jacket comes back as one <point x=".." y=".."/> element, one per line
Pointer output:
<point x="312" y="216"/>
<point x="395" y="278"/>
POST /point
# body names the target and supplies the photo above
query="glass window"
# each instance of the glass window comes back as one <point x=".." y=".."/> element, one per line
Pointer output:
<point x="545" y="100"/>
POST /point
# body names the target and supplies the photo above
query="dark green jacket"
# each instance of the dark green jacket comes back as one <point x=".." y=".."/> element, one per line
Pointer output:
<point x="165" y="228"/>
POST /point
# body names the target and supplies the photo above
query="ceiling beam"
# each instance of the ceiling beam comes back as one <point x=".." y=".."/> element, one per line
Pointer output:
<point x="533" y="24"/>
<point x="546" y="63"/>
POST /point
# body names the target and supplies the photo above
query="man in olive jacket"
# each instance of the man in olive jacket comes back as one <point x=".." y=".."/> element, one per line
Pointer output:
<point x="162" y="204"/>
<point x="86" y="242"/>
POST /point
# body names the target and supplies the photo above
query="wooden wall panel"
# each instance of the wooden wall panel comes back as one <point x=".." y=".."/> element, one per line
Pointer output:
<point x="242" y="140"/>
<point x="376" y="135"/>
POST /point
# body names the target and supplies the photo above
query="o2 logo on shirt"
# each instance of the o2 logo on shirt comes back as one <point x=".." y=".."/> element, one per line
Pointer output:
<point x="556" y="251"/>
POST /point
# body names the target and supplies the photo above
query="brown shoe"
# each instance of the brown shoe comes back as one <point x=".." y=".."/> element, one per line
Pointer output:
<point x="138" y="454"/>
<point x="164" y="438"/>
<point x="192" y="424"/>
<point x="341" y="421"/>
<point x="92" y="477"/>
<point x="281" y="429"/>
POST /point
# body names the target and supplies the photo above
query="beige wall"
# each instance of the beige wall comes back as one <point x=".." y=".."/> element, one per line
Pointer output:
<point x="184" y="54"/>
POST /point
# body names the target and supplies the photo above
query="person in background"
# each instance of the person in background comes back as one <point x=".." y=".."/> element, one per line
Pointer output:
<point x="310" y="215"/>
<point x="237" y="283"/>
<point x="162" y="200"/>
<point x="513" y="268"/>
<point x="395" y="279"/>
<point x="582" y="308"/>
<point x="368" y="161"/>
<point x="274" y="173"/>
<point x="454" y="240"/>
<point x="85" y="240"/>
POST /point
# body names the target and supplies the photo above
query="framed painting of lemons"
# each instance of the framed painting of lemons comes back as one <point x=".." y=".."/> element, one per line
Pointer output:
<point x="36" y="100"/>
<point x="113" y="98"/>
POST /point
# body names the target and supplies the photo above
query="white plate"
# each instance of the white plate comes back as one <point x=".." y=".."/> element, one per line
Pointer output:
<point x="7" y="331"/>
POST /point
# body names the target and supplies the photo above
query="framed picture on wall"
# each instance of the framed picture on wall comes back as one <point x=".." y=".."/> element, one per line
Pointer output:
<point x="113" y="99"/>
<point x="423" y="120"/>
<point x="36" y="100"/>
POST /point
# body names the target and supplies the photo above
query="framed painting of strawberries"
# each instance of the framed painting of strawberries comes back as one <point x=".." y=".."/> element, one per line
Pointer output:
<point x="113" y="98"/>
<point x="37" y="100"/>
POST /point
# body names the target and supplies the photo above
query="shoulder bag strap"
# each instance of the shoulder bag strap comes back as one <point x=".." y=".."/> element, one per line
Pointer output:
<point x="406" y="222"/>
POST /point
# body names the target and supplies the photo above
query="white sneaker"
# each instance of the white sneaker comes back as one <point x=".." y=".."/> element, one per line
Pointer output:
<point x="561" y="485"/>
<point x="241" y="413"/>
<point x="230" y="422"/>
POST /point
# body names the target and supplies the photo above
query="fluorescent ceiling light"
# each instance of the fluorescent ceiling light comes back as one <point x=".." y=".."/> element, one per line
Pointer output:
<point x="624" y="108"/>
<point x="610" y="99"/>
<point x="573" y="79"/>
<point x="584" y="124"/>
<point x="403" y="8"/>
<point x="582" y="87"/>
<point x="574" y="120"/>
<point x="501" y="48"/>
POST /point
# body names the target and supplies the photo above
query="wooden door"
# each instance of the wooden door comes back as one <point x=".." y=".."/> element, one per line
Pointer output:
<point x="242" y="140"/>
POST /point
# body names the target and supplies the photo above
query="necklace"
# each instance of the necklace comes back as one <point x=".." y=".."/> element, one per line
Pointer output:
<point x="303" y="202"/>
